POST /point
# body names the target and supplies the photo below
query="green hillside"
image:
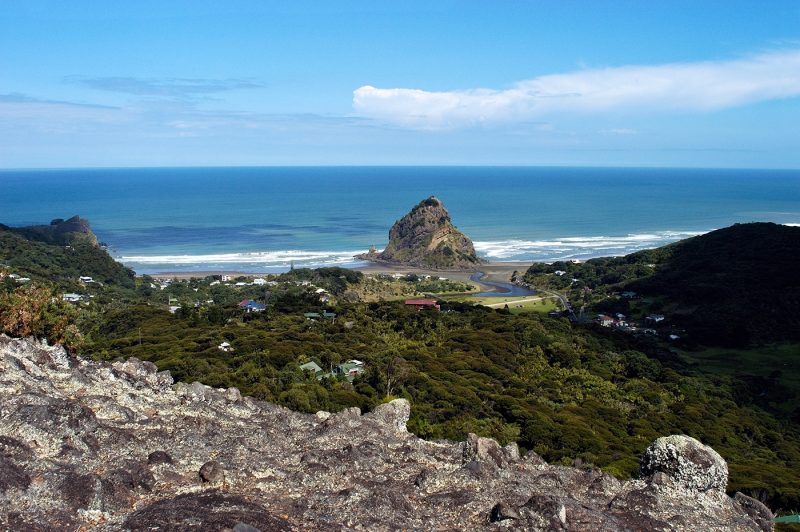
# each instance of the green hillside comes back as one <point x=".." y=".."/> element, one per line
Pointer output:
<point x="60" y="253"/>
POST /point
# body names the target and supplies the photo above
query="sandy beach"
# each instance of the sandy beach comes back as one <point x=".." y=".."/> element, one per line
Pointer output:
<point x="495" y="271"/>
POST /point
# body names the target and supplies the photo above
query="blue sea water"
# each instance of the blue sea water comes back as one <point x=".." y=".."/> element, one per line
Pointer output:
<point x="264" y="219"/>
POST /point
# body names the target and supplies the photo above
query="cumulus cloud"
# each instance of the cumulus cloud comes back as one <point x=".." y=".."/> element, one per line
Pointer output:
<point x="687" y="87"/>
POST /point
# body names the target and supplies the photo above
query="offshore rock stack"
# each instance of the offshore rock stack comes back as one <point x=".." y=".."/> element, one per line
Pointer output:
<point x="426" y="238"/>
<point x="89" y="445"/>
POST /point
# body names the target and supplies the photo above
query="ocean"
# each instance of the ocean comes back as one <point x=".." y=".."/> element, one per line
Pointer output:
<point x="265" y="219"/>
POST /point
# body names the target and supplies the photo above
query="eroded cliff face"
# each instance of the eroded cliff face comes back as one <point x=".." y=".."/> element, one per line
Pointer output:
<point x="427" y="238"/>
<point x="87" y="445"/>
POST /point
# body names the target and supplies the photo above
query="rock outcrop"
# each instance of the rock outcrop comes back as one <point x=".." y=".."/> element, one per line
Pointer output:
<point x="87" y="445"/>
<point x="60" y="231"/>
<point x="426" y="238"/>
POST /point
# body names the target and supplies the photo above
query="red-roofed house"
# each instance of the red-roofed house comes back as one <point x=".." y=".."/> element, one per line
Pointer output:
<point x="423" y="303"/>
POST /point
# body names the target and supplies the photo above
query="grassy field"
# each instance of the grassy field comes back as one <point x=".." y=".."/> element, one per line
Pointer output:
<point x="516" y="305"/>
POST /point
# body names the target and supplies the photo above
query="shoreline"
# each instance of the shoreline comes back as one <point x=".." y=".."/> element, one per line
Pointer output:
<point x="494" y="271"/>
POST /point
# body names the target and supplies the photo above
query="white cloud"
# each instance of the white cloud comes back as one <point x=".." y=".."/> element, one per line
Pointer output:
<point x="623" y="131"/>
<point x="689" y="87"/>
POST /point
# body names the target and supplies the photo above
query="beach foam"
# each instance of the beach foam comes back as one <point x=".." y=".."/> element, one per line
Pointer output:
<point x="253" y="261"/>
<point x="577" y="247"/>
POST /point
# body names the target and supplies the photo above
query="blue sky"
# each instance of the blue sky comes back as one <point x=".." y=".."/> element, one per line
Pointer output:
<point x="152" y="83"/>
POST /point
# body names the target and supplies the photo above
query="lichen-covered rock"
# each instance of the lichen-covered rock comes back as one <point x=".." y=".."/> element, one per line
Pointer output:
<point x="95" y="446"/>
<point x="687" y="462"/>
<point x="762" y="515"/>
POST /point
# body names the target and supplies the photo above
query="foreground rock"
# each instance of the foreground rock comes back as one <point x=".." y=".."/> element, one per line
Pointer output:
<point x="426" y="238"/>
<point x="86" y="445"/>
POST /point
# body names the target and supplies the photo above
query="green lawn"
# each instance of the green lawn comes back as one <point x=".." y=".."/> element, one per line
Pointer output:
<point x="517" y="305"/>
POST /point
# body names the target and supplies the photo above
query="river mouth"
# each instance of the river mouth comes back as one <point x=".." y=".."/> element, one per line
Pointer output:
<point x="503" y="289"/>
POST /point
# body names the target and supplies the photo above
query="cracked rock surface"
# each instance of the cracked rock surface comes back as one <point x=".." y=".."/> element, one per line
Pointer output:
<point x="98" y="446"/>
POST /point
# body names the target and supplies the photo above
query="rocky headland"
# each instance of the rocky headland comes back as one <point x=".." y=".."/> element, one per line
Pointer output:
<point x="59" y="231"/>
<point x="117" y="446"/>
<point x="426" y="238"/>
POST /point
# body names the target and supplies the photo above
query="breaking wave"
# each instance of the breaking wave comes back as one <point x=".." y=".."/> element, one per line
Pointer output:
<point x="252" y="261"/>
<point x="577" y="247"/>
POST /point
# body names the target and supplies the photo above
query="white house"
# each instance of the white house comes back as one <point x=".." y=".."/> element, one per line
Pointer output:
<point x="224" y="346"/>
<point x="72" y="298"/>
<point x="258" y="281"/>
<point x="85" y="279"/>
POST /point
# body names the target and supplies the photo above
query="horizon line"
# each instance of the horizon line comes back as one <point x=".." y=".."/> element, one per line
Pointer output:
<point x="626" y="167"/>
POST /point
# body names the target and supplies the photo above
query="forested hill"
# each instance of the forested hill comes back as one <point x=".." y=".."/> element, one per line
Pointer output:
<point x="733" y="287"/>
<point x="60" y="252"/>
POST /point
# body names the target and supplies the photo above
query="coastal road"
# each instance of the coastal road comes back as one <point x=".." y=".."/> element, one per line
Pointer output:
<point x="561" y="297"/>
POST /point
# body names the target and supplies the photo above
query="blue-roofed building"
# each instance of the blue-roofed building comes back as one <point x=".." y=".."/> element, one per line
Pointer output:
<point x="252" y="306"/>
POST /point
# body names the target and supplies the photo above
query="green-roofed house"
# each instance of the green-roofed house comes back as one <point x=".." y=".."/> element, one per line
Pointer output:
<point x="312" y="366"/>
<point x="349" y="369"/>
<point x="312" y="315"/>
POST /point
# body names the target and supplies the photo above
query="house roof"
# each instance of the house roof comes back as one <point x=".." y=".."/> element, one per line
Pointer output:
<point x="311" y="366"/>
<point x="420" y="301"/>
<point x="249" y="303"/>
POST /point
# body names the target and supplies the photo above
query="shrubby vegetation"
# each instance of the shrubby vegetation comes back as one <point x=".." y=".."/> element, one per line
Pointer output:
<point x="566" y="391"/>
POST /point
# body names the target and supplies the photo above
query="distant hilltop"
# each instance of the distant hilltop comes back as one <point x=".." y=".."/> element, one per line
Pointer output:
<point x="59" y="231"/>
<point x="427" y="238"/>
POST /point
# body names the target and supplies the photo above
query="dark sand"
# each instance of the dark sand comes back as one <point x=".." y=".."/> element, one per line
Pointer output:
<point x="495" y="271"/>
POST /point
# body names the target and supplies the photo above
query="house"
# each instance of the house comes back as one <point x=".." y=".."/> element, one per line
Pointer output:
<point x="560" y="272"/>
<point x="85" y="279"/>
<point x="316" y="315"/>
<point x="258" y="281"/>
<point x="224" y="346"/>
<point x="173" y="309"/>
<point x="72" y="298"/>
<point x="423" y="304"/>
<point x="350" y="369"/>
<point x="225" y="278"/>
<point x="628" y="294"/>
<point x="23" y="279"/>
<point x="654" y="319"/>
<point x="605" y="321"/>
<point x="313" y="367"/>
<point x="241" y="283"/>
<point x="249" y="305"/>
